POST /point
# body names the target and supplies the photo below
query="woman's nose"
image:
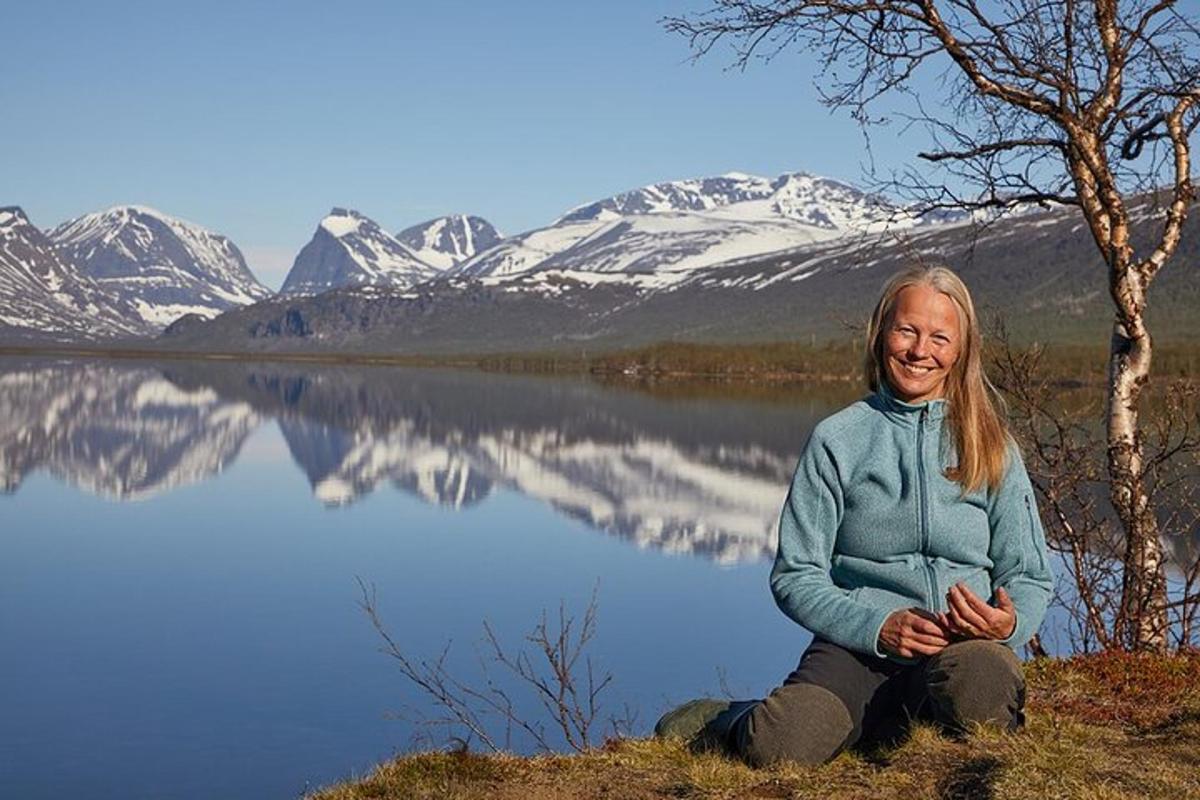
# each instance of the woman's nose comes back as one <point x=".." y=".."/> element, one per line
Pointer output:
<point x="920" y="348"/>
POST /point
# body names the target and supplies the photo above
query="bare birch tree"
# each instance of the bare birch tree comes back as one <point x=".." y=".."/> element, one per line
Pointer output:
<point x="1065" y="455"/>
<point x="1087" y="103"/>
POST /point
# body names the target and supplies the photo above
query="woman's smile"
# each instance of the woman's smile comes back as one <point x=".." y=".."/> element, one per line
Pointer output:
<point x="916" y="369"/>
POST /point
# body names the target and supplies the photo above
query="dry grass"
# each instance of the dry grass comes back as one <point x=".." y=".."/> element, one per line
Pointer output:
<point x="1100" y="728"/>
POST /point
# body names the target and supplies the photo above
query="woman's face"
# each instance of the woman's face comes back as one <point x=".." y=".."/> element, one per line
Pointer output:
<point x="921" y="342"/>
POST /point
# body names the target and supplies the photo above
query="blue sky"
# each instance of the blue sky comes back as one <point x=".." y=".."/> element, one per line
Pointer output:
<point x="254" y="119"/>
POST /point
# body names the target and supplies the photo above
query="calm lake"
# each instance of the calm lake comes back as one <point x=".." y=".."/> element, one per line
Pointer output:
<point x="181" y="544"/>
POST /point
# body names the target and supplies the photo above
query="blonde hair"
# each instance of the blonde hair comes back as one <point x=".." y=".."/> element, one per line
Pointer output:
<point x="977" y="428"/>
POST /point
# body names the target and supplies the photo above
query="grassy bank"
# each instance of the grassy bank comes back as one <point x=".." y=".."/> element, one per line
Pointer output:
<point x="1101" y="728"/>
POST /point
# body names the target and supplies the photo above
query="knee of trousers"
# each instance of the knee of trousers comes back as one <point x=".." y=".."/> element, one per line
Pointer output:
<point x="976" y="682"/>
<point x="799" y="722"/>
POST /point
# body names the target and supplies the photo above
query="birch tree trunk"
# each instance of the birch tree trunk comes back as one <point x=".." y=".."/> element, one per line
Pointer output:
<point x="1143" y="621"/>
<point x="1143" y="616"/>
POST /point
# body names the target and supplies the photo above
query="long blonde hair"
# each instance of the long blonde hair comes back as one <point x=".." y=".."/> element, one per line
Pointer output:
<point x="977" y="428"/>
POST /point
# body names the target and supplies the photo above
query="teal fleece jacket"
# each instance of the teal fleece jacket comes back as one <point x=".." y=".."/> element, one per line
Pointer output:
<point x="872" y="524"/>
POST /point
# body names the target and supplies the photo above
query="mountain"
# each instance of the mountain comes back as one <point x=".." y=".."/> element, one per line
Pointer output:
<point x="44" y="297"/>
<point x="349" y="249"/>
<point x="1040" y="270"/>
<point x="448" y="241"/>
<point x="680" y="226"/>
<point x="164" y="267"/>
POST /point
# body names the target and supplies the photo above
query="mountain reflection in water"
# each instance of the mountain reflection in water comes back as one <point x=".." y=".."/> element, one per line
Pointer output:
<point x="701" y="475"/>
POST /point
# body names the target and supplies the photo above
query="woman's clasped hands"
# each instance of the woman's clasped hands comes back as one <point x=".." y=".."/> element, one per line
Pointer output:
<point x="915" y="632"/>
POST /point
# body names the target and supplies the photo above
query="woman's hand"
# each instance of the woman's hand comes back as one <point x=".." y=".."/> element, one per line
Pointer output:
<point x="971" y="618"/>
<point x="913" y="632"/>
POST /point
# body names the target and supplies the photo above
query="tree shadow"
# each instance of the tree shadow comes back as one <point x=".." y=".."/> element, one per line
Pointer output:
<point x="1173" y="722"/>
<point x="974" y="779"/>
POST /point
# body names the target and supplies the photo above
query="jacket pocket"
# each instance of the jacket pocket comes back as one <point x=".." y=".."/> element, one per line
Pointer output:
<point x="1032" y="527"/>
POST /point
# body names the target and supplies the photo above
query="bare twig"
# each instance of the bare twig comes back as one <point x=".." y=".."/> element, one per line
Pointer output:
<point x="562" y="678"/>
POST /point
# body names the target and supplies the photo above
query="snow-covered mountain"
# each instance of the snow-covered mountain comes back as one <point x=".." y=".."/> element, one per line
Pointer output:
<point x="349" y="249"/>
<point x="1038" y="270"/>
<point x="682" y="226"/>
<point x="43" y="296"/>
<point x="163" y="266"/>
<point x="447" y="241"/>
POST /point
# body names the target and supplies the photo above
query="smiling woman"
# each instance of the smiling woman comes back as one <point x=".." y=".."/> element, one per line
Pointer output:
<point x="907" y="547"/>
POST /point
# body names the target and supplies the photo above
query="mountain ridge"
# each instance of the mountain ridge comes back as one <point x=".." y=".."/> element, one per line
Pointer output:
<point x="1039" y="270"/>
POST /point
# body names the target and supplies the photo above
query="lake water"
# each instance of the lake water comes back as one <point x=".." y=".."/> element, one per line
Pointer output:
<point x="180" y="545"/>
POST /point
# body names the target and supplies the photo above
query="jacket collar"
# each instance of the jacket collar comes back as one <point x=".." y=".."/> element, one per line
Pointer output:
<point x="907" y="413"/>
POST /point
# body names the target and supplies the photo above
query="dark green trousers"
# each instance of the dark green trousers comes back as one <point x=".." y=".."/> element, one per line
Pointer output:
<point x="837" y="698"/>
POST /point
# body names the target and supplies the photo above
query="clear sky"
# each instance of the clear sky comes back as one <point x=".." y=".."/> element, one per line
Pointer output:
<point x="254" y="118"/>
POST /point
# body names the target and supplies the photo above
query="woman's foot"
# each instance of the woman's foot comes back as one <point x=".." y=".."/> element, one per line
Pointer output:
<point x="704" y="724"/>
<point x="689" y="719"/>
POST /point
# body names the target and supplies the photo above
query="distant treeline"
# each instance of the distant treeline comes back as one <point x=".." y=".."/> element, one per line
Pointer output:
<point x="787" y="361"/>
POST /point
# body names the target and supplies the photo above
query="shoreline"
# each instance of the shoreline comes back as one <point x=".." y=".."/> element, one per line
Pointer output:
<point x="780" y="364"/>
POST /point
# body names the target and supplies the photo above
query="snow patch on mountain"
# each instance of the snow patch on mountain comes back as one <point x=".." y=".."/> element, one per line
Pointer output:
<point x="526" y="251"/>
<point x="340" y="224"/>
<point x="10" y="218"/>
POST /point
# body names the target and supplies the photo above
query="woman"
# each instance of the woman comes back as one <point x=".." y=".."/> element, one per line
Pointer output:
<point x="909" y="545"/>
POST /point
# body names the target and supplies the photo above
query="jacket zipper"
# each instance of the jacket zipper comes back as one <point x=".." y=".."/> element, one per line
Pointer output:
<point x="923" y="491"/>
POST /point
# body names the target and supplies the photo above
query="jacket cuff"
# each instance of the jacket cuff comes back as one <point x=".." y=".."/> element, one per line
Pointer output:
<point x="1028" y="620"/>
<point x="1011" y="640"/>
<point x="871" y="630"/>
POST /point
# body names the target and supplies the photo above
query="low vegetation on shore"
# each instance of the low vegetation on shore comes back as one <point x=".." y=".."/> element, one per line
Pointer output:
<point x="791" y="361"/>
<point x="1102" y="727"/>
